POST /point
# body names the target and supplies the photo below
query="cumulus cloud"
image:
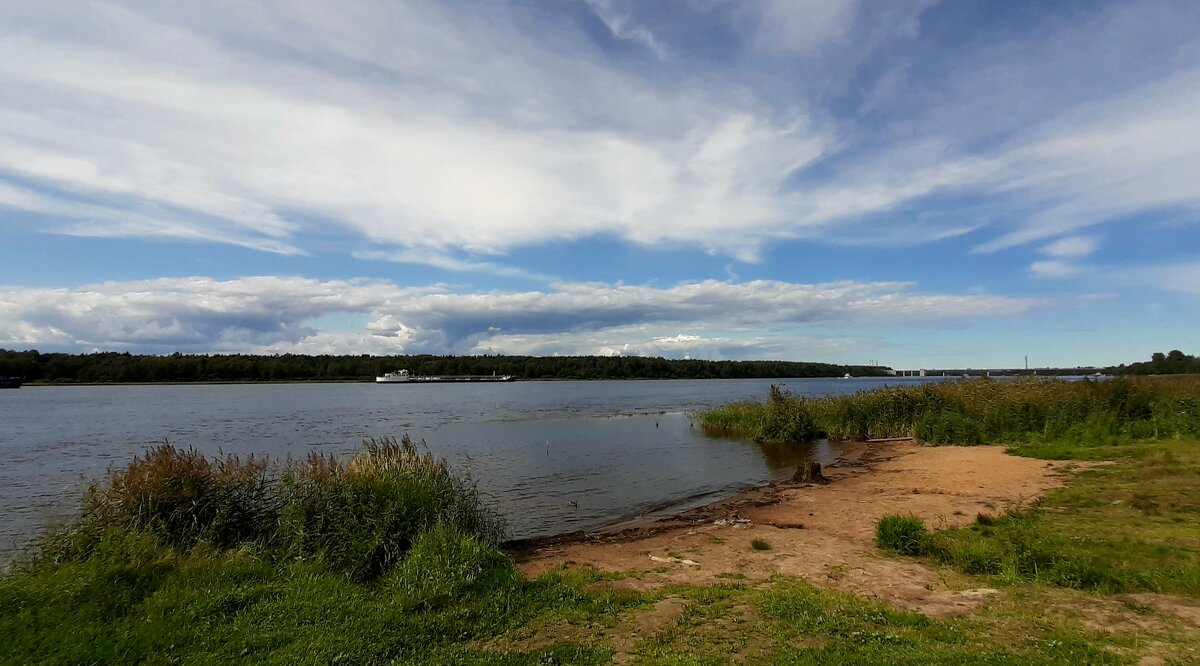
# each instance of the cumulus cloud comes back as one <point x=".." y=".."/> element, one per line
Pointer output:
<point x="281" y="314"/>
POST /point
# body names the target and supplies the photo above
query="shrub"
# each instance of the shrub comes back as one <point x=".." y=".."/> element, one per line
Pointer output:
<point x="359" y="517"/>
<point x="759" y="544"/>
<point x="903" y="534"/>
<point x="363" y="516"/>
<point x="180" y="497"/>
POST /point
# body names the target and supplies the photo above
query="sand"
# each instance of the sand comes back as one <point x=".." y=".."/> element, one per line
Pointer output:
<point x="822" y="533"/>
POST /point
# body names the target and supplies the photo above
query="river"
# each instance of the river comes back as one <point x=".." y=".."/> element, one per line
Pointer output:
<point x="551" y="457"/>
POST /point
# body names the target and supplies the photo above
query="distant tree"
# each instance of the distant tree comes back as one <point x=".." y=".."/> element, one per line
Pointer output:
<point x="1174" y="362"/>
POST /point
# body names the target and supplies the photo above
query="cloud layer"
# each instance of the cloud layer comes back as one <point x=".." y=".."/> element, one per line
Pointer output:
<point x="276" y="314"/>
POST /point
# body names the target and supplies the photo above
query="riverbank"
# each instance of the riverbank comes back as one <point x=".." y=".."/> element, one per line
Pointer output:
<point x="793" y="572"/>
<point x="739" y="581"/>
<point x="821" y="533"/>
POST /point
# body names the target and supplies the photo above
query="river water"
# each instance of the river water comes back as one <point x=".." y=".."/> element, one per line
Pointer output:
<point x="551" y="457"/>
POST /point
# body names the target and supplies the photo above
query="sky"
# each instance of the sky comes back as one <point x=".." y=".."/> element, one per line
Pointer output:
<point x="912" y="183"/>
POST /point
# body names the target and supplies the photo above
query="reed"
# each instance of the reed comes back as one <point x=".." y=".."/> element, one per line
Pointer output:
<point x="364" y="515"/>
<point x="1022" y="411"/>
<point x="359" y="517"/>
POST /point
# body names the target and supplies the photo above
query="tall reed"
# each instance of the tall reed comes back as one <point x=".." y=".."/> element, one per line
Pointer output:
<point x="976" y="411"/>
<point x="360" y="516"/>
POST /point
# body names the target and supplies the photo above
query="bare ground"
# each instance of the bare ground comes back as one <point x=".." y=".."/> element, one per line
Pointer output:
<point x="822" y="533"/>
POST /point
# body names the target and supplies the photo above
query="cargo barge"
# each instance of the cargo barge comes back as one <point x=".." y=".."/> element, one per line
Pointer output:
<point x="402" y="377"/>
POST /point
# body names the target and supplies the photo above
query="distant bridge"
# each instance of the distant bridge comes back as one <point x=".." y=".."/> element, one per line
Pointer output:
<point x="999" y="372"/>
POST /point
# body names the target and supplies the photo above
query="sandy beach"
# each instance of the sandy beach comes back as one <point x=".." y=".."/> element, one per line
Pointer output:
<point x="822" y="533"/>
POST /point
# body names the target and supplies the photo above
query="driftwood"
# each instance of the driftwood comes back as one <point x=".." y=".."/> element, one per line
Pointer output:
<point x="809" y="472"/>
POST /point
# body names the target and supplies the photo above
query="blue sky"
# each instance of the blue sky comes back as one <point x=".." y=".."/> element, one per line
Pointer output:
<point x="914" y="183"/>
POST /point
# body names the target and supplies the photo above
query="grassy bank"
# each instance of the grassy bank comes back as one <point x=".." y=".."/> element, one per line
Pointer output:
<point x="388" y="556"/>
<point x="1127" y="526"/>
<point x="1052" y="416"/>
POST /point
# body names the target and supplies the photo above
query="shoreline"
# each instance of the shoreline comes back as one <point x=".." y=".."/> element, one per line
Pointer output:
<point x="853" y="455"/>
<point x="824" y="534"/>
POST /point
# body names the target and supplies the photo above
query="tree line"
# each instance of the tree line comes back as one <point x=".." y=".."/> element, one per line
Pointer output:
<point x="1173" y="362"/>
<point x="106" y="367"/>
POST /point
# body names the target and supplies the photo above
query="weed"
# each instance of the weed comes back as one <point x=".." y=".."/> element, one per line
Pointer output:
<point x="759" y="544"/>
<point x="903" y="534"/>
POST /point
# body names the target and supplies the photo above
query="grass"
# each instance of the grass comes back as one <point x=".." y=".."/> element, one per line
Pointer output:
<point x="431" y="609"/>
<point x="759" y="544"/>
<point x="1050" y="415"/>
<point x="789" y="621"/>
<point x="386" y="557"/>
<point x="1124" y="527"/>
<point x="904" y="534"/>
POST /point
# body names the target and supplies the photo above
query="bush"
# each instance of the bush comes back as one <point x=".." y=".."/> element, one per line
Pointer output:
<point x="179" y="497"/>
<point x="903" y="534"/>
<point x="360" y="517"/>
<point x="363" y="516"/>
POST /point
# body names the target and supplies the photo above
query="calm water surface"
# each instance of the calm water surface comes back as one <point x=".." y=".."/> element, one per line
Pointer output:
<point x="618" y="449"/>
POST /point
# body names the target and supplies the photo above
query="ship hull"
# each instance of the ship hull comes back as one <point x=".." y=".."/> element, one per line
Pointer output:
<point x="448" y="379"/>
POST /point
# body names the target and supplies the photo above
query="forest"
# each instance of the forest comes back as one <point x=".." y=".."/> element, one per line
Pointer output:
<point x="107" y="367"/>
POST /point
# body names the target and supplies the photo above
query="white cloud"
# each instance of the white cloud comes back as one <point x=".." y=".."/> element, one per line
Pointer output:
<point x="448" y="135"/>
<point x="276" y="314"/>
<point x="141" y="112"/>
<point x="1072" y="247"/>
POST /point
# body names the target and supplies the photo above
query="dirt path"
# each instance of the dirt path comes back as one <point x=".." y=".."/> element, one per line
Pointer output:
<point x="823" y="533"/>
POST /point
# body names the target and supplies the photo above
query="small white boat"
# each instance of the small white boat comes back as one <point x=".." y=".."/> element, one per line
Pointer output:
<point x="846" y="376"/>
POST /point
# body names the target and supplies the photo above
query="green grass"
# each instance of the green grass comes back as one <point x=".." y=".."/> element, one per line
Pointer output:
<point x="1050" y="415"/>
<point x="1127" y="526"/>
<point x="792" y="622"/>
<point x="450" y="594"/>
<point x="759" y="544"/>
<point x="904" y="534"/>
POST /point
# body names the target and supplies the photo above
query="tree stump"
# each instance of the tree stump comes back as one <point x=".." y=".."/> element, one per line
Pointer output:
<point x="809" y="472"/>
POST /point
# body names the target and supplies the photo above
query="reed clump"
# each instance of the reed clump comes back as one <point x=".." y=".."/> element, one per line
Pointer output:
<point x="1021" y="411"/>
<point x="359" y="517"/>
